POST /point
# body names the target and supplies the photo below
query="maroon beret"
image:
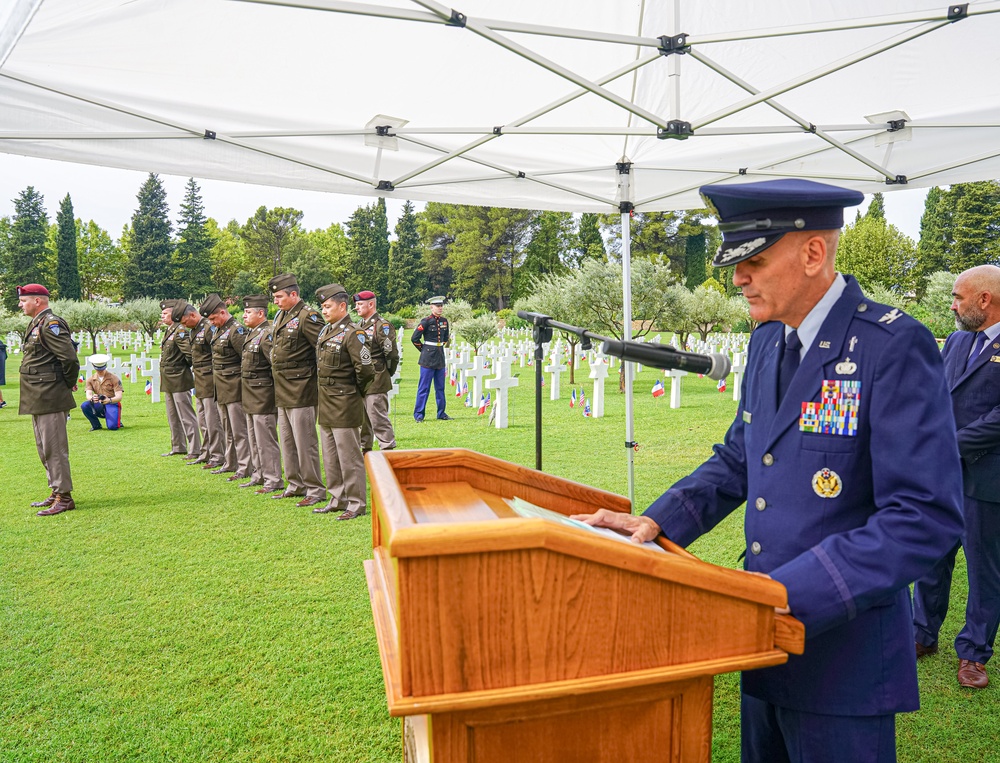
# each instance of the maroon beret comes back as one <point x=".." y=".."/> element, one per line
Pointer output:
<point x="363" y="295"/>
<point x="32" y="290"/>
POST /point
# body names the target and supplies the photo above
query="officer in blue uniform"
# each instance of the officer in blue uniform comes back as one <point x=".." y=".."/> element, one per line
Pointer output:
<point x="972" y="369"/>
<point x="843" y="449"/>
<point x="430" y="338"/>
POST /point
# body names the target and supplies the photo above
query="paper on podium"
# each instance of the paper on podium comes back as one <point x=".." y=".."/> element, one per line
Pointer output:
<point x="530" y="510"/>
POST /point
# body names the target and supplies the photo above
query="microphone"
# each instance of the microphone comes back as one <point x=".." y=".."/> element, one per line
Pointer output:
<point x="536" y="318"/>
<point x="714" y="366"/>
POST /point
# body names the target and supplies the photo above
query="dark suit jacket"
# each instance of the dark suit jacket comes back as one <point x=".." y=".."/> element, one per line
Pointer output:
<point x="844" y="521"/>
<point x="975" y="399"/>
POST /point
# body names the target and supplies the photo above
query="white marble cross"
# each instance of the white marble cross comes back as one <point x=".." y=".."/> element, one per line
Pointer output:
<point x="154" y="374"/>
<point x="556" y="369"/>
<point x="675" y="386"/>
<point x="739" y="366"/>
<point x="477" y="373"/>
<point x="501" y="382"/>
<point x="598" y="372"/>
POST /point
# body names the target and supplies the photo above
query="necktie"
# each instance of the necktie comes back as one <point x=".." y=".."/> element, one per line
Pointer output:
<point x="789" y="364"/>
<point x="977" y="347"/>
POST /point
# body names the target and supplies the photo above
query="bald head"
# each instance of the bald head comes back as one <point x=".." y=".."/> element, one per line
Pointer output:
<point x="977" y="298"/>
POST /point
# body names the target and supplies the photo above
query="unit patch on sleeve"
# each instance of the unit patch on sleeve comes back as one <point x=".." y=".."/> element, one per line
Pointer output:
<point x="837" y="409"/>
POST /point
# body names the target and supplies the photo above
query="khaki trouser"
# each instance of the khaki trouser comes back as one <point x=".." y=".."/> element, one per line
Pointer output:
<point x="264" y="452"/>
<point x="183" y="423"/>
<point x="345" y="468"/>
<point x="300" y="451"/>
<point x="234" y="424"/>
<point x="53" y="449"/>
<point x="376" y="421"/>
<point x="211" y="430"/>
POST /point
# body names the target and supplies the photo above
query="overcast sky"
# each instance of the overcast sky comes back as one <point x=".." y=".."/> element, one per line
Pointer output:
<point x="108" y="196"/>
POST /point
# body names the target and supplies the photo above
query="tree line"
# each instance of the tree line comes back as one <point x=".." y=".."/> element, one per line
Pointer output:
<point x="490" y="257"/>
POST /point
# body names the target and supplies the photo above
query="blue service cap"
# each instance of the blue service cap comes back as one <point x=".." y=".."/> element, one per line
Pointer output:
<point x="753" y="216"/>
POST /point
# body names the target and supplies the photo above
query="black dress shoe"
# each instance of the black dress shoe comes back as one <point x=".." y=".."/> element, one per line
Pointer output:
<point x="445" y="417"/>
<point x="925" y="651"/>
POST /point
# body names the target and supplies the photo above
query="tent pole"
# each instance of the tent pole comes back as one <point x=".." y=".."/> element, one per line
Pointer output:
<point x="625" y="205"/>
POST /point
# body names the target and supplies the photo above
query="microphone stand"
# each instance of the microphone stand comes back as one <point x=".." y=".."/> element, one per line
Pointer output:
<point x="541" y="332"/>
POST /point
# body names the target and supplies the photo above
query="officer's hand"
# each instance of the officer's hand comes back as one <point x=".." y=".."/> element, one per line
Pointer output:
<point x="777" y="610"/>
<point x="75" y="387"/>
<point x="642" y="529"/>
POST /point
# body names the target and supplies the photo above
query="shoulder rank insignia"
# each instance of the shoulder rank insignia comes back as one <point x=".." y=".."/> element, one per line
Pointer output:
<point x="826" y="483"/>
<point x="890" y="316"/>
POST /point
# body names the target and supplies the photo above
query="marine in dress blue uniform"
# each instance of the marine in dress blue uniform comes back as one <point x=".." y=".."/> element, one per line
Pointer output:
<point x="851" y="478"/>
<point x="430" y="338"/>
<point x="972" y="369"/>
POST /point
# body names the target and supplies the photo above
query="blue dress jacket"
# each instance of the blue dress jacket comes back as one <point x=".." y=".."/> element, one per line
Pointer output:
<point x="845" y="513"/>
<point x="975" y="393"/>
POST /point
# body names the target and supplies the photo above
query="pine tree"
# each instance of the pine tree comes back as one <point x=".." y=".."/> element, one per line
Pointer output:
<point x="368" y="260"/>
<point x="976" y="226"/>
<point x="150" y="246"/>
<point x="267" y="236"/>
<point x="67" y="259"/>
<point x="29" y="229"/>
<point x="192" y="259"/>
<point x="407" y="280"/>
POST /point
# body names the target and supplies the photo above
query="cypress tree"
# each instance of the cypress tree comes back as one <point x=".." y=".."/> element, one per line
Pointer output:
<point x="27" y="243"/>
<point x="932" y="249"/>
<point x="876" y="210"/>
<point x="976" y="226"/>
<point x="590" y="244"/>
<point x="67" y="258"/>
<point x="368" y="257"/>
<point x="150" y="246"/>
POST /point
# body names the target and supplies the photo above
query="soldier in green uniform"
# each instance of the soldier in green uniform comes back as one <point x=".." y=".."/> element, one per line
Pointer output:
<point x="227" y="357"/>
<point x="49" y="370"/>
<point x="345" y="372"/>
<point x="293" y="365"/>
<point x="258" y="397"/>
<point x="202" y="332"/>
<point x="385" y="359"/>
<point x="176" y="381"/>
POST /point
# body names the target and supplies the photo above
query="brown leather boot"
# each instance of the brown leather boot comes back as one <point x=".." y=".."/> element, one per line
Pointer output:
<point x="47" y="502"/>
<point x="64" y="502"/>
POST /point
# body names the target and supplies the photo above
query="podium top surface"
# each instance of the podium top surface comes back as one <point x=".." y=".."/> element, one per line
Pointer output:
<point x="441" y="502"/>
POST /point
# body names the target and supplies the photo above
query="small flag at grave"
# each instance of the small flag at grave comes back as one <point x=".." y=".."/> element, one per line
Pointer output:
<point x="451" y="377"/>
<point x="128" y="375"/>
<point x="482" y="405"/>
<point x="586" y="410"/>
<point x="572" y="399"/>
<point x="721" y="386"/>
<point x="468" y="400"/>
<point x="488" y="400"/>
<point x="583" y="397"/>
<point x="149" y="386"/>
<point x="658" y="389"/>
<point x="461" y="390"/>
<point x="81" y="379"/>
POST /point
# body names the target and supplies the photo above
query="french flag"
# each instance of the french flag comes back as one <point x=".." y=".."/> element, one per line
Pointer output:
<point x="572" y="399"/>
<point x="721" y="386"/>
<point x="658" y="388"/>
<point x="463" y="390"/>
<point x="149" y="386"/>
<point x="482" y="405"/>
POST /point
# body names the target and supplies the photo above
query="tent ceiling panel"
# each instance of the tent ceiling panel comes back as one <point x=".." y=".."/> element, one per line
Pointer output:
<point x="288" y="91"/>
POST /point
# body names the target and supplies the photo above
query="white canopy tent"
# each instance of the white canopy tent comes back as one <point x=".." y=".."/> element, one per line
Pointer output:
<point x="578" y="105"/>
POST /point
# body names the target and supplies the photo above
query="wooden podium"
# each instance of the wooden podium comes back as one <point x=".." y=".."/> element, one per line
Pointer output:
<point x="504" y="638"/>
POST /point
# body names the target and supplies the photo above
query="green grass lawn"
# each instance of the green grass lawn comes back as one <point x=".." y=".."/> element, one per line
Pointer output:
<point x="175" y="617"/>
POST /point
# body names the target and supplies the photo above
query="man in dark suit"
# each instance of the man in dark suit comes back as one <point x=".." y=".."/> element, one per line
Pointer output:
<point x="843" y="451"/>
<point x="972" y="369"/>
